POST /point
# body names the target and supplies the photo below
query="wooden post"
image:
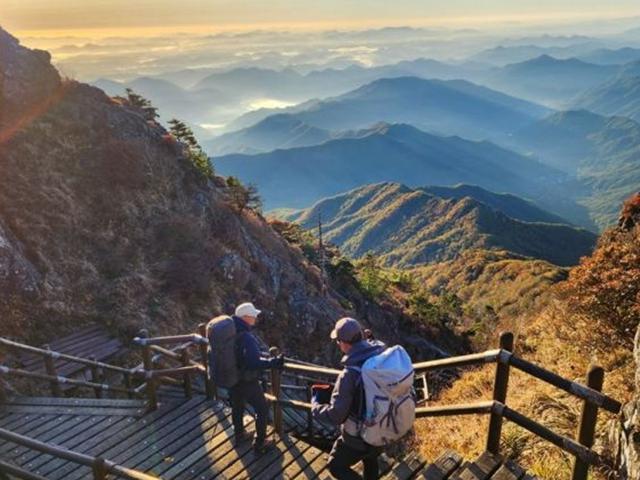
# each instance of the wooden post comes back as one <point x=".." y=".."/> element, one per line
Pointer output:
<point x="276" y="378"/>
<point x="209" y="385"/>
<point x="587" y="427"/>
<point x="184" y="357"/>
<point x="96" y="377"/>
<point x="500" y="386"/>
<point x="147" y="361"/>
<point x="309" y="413"/>
<point x="128" y="384"/>
<point x="50" y="368"/>
<point x="99" y="468"/>
<point x="4" y="396"/>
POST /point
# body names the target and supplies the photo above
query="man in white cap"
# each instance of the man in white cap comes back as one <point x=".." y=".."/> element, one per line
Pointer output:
<point x="248" y="389"/>
<point x="346" y="407"/>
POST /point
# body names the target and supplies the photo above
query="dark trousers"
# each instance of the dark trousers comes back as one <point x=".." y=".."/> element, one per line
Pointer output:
<point x="249" y="392"/>
<point x="343" y="457"/>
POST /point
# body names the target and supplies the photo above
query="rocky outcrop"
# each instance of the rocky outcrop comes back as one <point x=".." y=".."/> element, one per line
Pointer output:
<point x="625" y="432"/>
<point x="18" y="276"/>
<point x="27" y="79"/>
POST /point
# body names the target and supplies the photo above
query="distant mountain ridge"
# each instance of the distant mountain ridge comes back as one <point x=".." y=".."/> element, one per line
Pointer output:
<point x="444" y="107"/>
<point x="297" y="177"/>
<point x="549" y="80"/>
<point x="274" y="132"/>
<point x="602" y="152"/>
<point x="511" y="205"/>
<point x="618" y="96"/>
<point x="409" y="227"/>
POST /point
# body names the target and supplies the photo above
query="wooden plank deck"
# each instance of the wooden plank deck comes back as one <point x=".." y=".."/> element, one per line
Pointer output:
<point x="90" y="341"/>
<point x="191" y="439"/>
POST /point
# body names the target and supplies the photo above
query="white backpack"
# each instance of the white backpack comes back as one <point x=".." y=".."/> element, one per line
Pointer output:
<point x="390" y="407"/>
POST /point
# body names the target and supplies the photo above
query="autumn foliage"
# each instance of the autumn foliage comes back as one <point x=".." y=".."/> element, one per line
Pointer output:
<point x="605" y="287"/>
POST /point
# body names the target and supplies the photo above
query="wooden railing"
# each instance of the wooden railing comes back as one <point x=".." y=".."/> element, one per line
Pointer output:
<point x="180" y="354"/>
<point x="99" y="466"/>
<point x="190" y="364"/>
<point x="591" y="394"/>
<point x="497" y="408"/>
<point x="56" y="381"/>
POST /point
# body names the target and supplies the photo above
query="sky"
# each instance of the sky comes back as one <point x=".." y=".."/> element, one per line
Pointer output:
<point x="69" y="16"/>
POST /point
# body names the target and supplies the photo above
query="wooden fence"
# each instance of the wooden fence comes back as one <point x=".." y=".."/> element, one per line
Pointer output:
<point x="497" y="408"/>
<point x="99" y="466"/>
<point x="189" y="364"/>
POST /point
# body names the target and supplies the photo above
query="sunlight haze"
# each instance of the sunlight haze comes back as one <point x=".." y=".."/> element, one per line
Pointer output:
<point x="199" y="15"/>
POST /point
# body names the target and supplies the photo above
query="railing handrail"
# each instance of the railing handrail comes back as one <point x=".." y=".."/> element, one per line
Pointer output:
<point x="492" y="356"/>
<point x="480" y="358"/>
<point x="574" y="388"/>
<point x="72" y="456"/>
<point x="19" y="472"/>
<point x="194" y="338"/>
<point x="565" y="443"/>
<point x="59" y="355"/>
<point x="4" y="370"/>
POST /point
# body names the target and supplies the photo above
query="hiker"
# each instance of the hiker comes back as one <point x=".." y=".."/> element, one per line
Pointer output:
<point x="347" y="402"/>
<point x="237" y="364"/>
<point x="373" y="400"/>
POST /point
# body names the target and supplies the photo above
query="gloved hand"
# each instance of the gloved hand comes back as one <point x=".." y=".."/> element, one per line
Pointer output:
<point x="277" y="362"/>
<point x="321" y="393"/>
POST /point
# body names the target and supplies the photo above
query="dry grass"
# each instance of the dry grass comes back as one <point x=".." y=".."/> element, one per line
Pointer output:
<point x="556" y="340"/>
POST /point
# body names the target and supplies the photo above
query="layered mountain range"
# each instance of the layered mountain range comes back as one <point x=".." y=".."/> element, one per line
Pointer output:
<point x="409" y="227"/>
<point x="549" y="80"/>
<point x="600" y="152"/>
<point x="443" y="106"/>
<point x="297" y="177"/>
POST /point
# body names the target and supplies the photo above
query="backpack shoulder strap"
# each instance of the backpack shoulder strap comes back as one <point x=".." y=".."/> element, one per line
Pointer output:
<point x="358" y="402"/>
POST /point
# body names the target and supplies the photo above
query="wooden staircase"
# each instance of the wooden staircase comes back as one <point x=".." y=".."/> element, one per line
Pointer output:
<point x="175" y="424"/>
<point x="189" y="440"/>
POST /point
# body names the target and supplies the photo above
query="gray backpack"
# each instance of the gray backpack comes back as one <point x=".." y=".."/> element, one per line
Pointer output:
<point x="223" y="360"/>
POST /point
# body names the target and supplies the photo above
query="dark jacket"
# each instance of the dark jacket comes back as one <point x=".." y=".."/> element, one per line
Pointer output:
<point x="345" y="405"/>
<point x="250" y="361"/>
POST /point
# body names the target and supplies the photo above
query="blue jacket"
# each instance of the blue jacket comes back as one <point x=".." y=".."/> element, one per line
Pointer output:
<point x="250" y="362"/>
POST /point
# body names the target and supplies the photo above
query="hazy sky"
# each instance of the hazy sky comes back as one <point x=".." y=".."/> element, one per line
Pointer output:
<point x="31" y="15"/>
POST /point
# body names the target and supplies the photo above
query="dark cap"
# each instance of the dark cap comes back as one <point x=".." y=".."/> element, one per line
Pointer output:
<point x="346" y="329"/>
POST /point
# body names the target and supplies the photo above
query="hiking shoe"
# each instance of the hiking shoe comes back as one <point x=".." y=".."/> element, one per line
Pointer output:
<point x="262" y="447"/>
<point x="242" y="437"/>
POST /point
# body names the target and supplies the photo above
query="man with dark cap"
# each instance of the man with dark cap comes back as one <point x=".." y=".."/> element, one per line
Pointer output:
<point x="346" y="407"/>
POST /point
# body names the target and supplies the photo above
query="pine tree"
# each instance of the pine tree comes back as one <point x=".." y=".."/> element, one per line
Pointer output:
<point x="243" y="196"/>
<point x="138" y="101"/>
<point x="196" y="154"/>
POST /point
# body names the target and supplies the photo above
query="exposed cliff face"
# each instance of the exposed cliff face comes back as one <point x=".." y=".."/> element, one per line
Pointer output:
<point x="625" y="432"/>
<point x="27" y="79"/>
<point x="102" y="218"/>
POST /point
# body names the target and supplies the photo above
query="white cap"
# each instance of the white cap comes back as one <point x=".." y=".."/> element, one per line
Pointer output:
<point x="247" y="310"/>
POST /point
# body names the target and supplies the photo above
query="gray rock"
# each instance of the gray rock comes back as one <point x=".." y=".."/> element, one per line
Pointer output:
<point x="624" y="434"/>
<point x="28" y="81"/>
<point x="17" y="274"/>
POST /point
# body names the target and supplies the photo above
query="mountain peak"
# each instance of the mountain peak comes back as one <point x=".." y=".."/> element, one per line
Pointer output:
<point x="27" y="77"/>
